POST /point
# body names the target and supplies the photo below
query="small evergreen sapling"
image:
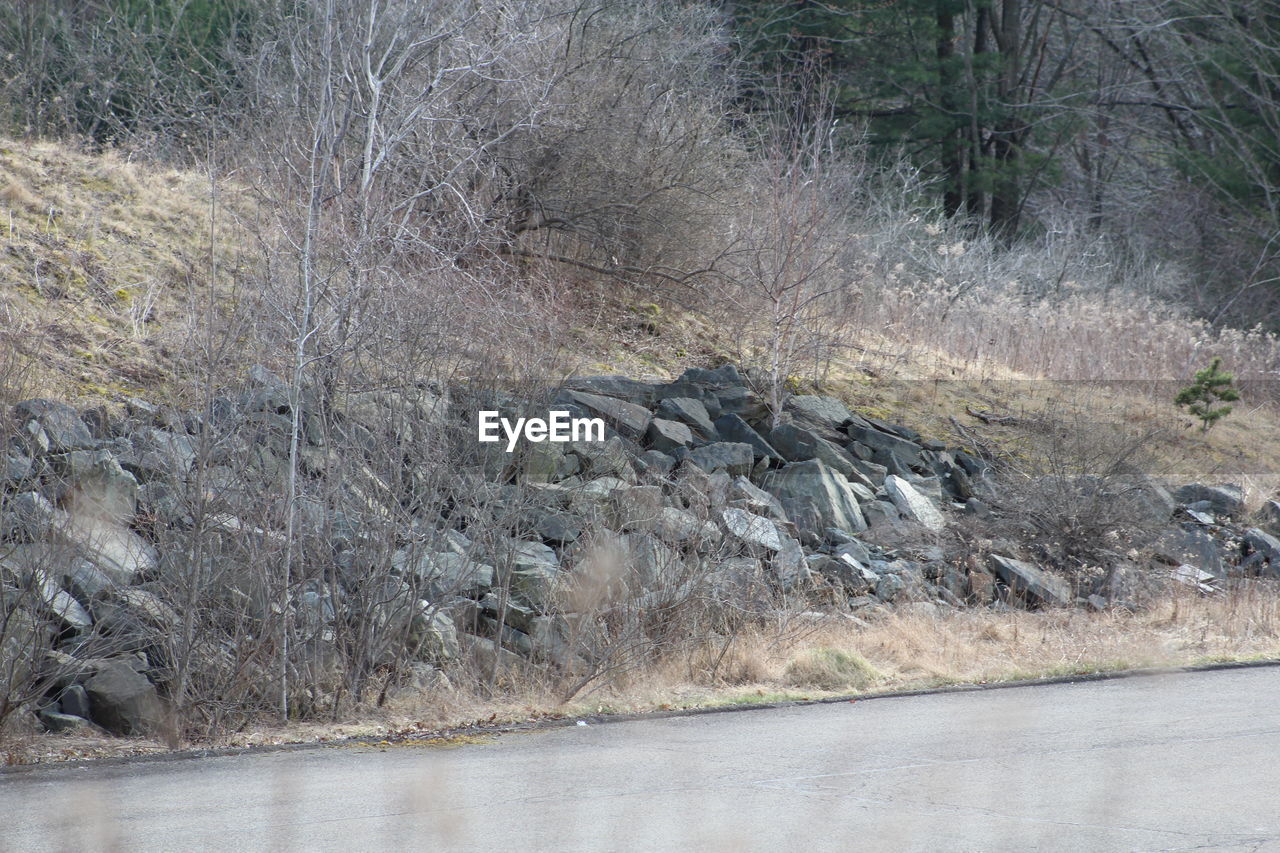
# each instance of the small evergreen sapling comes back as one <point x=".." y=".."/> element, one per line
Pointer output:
<point x="1211" y="387"/>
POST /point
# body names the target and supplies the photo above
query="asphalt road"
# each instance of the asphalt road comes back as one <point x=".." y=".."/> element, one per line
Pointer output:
<point x="1172" y="762"/>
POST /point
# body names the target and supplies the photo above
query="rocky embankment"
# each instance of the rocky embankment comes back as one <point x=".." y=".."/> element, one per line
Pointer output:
<point x="155" y="559"/>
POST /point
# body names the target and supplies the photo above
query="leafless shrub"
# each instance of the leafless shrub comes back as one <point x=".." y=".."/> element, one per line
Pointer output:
<point x="1083" y="496"/>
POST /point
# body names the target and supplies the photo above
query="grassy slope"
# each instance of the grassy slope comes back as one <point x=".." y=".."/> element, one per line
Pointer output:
<point x="102" y="260"/>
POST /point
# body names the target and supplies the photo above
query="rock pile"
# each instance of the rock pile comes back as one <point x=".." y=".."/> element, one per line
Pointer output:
<point x="695" y="483"/>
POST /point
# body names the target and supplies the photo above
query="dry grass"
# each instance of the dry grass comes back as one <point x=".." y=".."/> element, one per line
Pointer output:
<point x="102" y="259"/>
<point x="891" y="650"/>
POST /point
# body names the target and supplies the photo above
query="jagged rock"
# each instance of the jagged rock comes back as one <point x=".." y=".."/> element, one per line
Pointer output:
<point x="649" y="560"/>
<point x="29" y="516"/>
<point x="1191" y="546"/>
<point x="1191" y="576"/>
<point x="74" y="700"/>
<point x="155" y="454"/>
<point x="743" y="402"/>
<point x="61" y="723"/>
<point x="869" y="473"/>
<point x="558" y="526"/>
<point x="826" y="412"/>
<point x="1269" y="516"/>
<point x="880" y="513"/>
<point x="832" y="498"/>
<point x="620" y="387"/>
<point x="657" y="464"/>
<point x="617" y="562"/>
<point x="34" y="568"/>
<point x="94" y="484"/>
<point x="841" y="572"/>
<point x="731" y="457"/>
<point x="914" y="505"/>
<point x="907" y="453"/>
<point x="547" y="462"/>
<point x="635" y="508"/>
<point x="62" y="429"/>
<point x="685" y="389"/>
<point x="123" y="702"/>
<point x="734" y="428"/>
<point x="1227" y="500"/>
<point x="676" y="526"/>
<point x="628" y="419"/>
<point x="1150" y="502"/>
<point x="512" y="638"/>
<point x="724" y="375"/>
<point x="61" y="604"/>
<point x="488" y="656"/>
<point x="15" y="467"/>
<point x="432" y="634"/>
<point x="789" y="562"/>
<point x="752" y="529"/>
<point x="755" y="499"/>
<point x="1267" y="547"/>
<point x="889" y="587"/>
<point x="952" y="581"/>
<point x="1031" y="583"/>
<point x="982" y="585"/>
<point x="665" y="435"/>
<point x="113" y="548"/>
<point x="448" y="573"/>
<point x="797" y="445"/>
<point x="609" y="458"/>
<point x="690" y="412"/>
<point x="855" y="550"/>
<point x="534" y="570"/>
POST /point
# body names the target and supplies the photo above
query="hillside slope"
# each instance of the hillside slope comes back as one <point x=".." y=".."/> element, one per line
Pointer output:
<point x="102" y="261"/>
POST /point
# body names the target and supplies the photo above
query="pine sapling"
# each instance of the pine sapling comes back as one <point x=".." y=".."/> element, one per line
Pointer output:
<point x="1210" y="388"/>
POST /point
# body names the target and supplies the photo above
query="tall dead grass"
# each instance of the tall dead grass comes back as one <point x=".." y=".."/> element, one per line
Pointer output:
<point x="1061" y="306"/>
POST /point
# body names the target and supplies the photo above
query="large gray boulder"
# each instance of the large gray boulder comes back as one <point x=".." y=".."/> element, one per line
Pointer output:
<point x="635" y="508"/>
<point x="433" y="635"/>
<point x="731" y="457"/>
<point x="448" y="573"/>
<point x="93" y="483"/>
<point x="1269" y="515"/>
<point x="912" y="504"/>
<point x="15" y="466"/>
<point x="906" y="452"/>
<point x="688" y="411"/>
<point x="825" y="412"/>
<point x="752" y="530"/>
<point x="734" y="428"/>
<point x="534" y="571"/>
<point x="667" y="436"/>
<point x="36" y="570"/>
<point x="797" y="444"/>
<point x="1227" y="499"/>
<point x="676" y="526"/>
<point x="622" y="387"/>
<point x="547" y="462"/>
<point x="830" y="494"/>
<point x="609" y="458"/>
<point x="749" y="496"/>
<point x="1031" y="583"/>
<point x="123" y="701"/>
<point x="57" y="427"/>
<point x="742" y="401"/>
<point x="156" y="454"/>
<point x="1264" y="552"/>
<point x="628" y="419"/>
